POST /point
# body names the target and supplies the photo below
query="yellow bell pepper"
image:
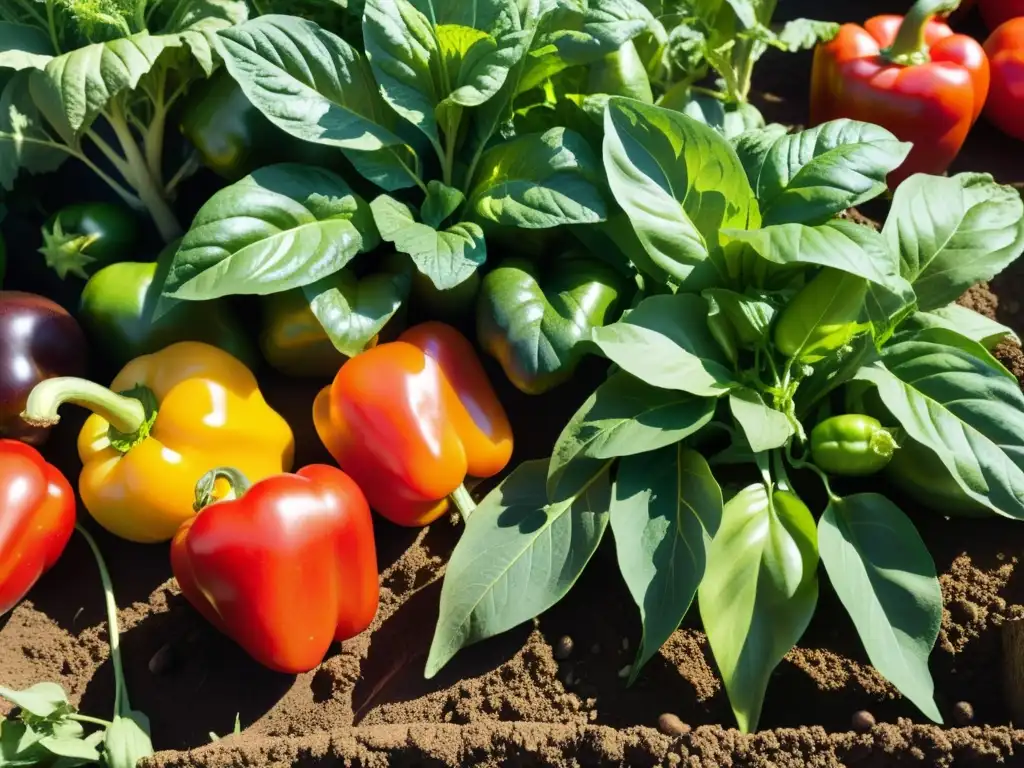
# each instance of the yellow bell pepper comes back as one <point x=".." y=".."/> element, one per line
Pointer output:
<point x="178" y="414"/>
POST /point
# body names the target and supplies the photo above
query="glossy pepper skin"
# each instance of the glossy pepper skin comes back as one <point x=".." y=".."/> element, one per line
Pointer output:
<point x="410" y="419"/>
<point x="910" y="75"/>
<point x="852" y="444"/>
<point x="997" y="12"/>
<point x="85" y="237"/>
<point x="293" y="341"/>
<point x="117" y="306"/>
<point x="822" y="317"/>
<point x="532" y="322"/>
<point x="38" y="340"/>
<point x="1005" y="105"/>
<point x="235" y="561"/>
<point x="176" y="414"/>
<point x="37" y="518"/>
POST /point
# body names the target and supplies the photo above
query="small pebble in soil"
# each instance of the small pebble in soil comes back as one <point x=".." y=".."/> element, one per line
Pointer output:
<point x="563" y="648"/>
<point x="671" y="725"/>
<point x="625" y="671"/>
<point x="163" y="660"/>
<point x="963" y="713"/>
<point x="863" y="720"/>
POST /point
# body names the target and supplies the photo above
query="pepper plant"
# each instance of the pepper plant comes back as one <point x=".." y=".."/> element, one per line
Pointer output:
<point x="93" y="80"/>
<point x="777" y="343"/>
<point x="425" y="116"/>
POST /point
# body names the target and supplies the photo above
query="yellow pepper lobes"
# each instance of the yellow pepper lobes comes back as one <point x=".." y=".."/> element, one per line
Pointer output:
<point x="178" y="414"/>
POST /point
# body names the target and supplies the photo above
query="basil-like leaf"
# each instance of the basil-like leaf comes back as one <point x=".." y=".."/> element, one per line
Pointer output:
<point x="951" y="233"/>
<point x="967" y="322"/>
<point x="764" y="427"/>
<point x="440" y="203"/>
<point x="353" y="311"/>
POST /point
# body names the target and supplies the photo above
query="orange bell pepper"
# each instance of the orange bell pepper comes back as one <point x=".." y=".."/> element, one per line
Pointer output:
<point x="1005" y="107"/>
<point x="409" y="420"/>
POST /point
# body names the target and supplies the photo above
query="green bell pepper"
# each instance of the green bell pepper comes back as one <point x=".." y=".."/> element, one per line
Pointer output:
<point x="233" y="137"/>
<point x="852" y="444"/>
<point x="822" y="317"/>
<point x="83" y="238"/>
<point x="293" y="341"/>
<point x="533" y="324"/>
<point x="117" y="306"/>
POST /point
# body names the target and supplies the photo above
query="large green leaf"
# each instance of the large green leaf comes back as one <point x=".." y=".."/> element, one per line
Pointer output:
<point x="764" y="427"/>
<point x="963" y="409"/>
<point x="624" y="416"/>
<point x="810" y="176"/>
<point x="666" y="507"/>
<point x="951" y="233"/>
<point x="666" y="342"/>
<point x="679" y="182"/>
<point x="24" y="142"/>
<point x="518" y="556"/>
<point x="538" y="181"/>
<point x="448" y="256"/>
<point x="75" y="87"/>
<point x="840" y="244"/>
<point x="23" y="46"/>
<point x="967" y="322"/>
<point x="759" y="592"/>
<point x="883" y="573"/>
<point x="312" y="84"/>
<point x="282" y="227"/>
<point x="353" y="311"/>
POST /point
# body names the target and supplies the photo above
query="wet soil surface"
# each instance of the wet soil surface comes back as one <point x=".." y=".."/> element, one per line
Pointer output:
<point x="549" y="692"/>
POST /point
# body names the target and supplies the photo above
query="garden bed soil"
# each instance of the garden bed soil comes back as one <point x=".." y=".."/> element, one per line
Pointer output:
<point x="530" y="697"/>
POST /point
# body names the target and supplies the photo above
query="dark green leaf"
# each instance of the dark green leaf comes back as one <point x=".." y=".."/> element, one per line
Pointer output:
<point x="883" y="573"/>
<point x="23" y="46"/>
<point x="518" y="556"/>
<point x="448" y="257"/>
<point x="666" y="507"/>
<point x="765" y="428"/>
<point x="759" y="592"/>
<point x="24" y="141"/>
<point x="750" y="318"/>
<point x="731" y="121"/>
<point x="624" y="416"/>
<point x="665" y="341"/>
<point x="441" y="202"/>
<point x="282" y="227"/>
<point x="352" y="312"/>
<point x="679" y="182"/>
<point x="951" y="233"/>
<point x="953" y="338"/>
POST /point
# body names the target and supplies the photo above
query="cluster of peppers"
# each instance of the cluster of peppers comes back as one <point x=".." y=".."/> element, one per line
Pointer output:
<point x="183" y="447"/>
<point x="913" y="76"/>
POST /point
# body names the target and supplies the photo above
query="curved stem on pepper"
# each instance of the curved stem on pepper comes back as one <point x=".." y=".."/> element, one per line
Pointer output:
<point x="125" y="414"/>
<point x="463" y="502"/>
<point x="909" y="47"/>
<point x="121" y="704"/>
<point x="205" y="495"/>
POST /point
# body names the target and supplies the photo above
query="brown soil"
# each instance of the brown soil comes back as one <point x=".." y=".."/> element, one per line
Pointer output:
<point x="509" y="701"/>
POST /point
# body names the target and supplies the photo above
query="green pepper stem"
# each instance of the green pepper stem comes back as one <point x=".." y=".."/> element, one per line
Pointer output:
<point x="125" y="414"/>
<point x="204" y="488"/>
<point x="909" y="47"/>
<point x="121" y="704"/>
<point x="463" y="502"/>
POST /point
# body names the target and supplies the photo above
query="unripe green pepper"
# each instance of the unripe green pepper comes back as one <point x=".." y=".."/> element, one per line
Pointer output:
<point x="293" y="341"/>
<point x="822" y="317"/>
<point x="852" y="444"/>
<point x="621" y="73"/>
<point x="83" y="238"/>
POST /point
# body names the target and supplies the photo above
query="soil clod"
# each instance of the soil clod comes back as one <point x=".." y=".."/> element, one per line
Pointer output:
<point x="963" y="713"/>
<point x="671" y="725"/>
<point x="863" y="721"/>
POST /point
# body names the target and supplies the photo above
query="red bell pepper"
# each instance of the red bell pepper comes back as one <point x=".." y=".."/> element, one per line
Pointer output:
<point x="285" y="567"/>
<point x="1005" y="105"/>
<point x="37" y="517"/>
<point x="910" y="75"/>
<point x="410" y="419"/>
<point x="998" y="12"/>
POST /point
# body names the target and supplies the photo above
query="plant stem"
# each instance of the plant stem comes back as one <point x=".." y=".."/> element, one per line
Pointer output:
<point x="720" y="95"/>
<point x="153" y="138"/>
<point x="125" y="414"/>
<point x="909" y="47"/>
<point x="121" y="703"/>
<point x="89" y="719"/>
<point x="463" y="502"/>
<point x="52" y="27"/>
<point x="108" y="152"/>
<point x="238" y="486"/>
<point x="800" y="464"/>
<point x="187" y="169"/>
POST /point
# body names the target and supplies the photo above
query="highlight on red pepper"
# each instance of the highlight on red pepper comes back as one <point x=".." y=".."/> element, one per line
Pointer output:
<point x="409" y="420"/>
<point x="284" y="567"/>
<point x="38" y="340"/>
<point x="1005" y="105"/>
<point x="37" y="517"/>
<point x="911" y="75"/>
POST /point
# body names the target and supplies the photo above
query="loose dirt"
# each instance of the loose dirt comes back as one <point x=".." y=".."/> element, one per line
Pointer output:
<point x="509" y="701"/>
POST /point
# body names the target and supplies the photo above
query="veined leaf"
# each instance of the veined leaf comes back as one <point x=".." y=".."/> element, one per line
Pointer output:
<point x="967" y="322"/>
<point x="352" y="312"/>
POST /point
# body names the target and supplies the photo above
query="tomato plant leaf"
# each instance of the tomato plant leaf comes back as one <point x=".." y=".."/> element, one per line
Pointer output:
<point x="951" y="233"/>
<point x="679" y="182"/>
<point x="518" y="556"/>
<point x="282" y="227"/>
<point x="315" y="86"/>
<point x="448" y="256"/>
<point x="666" y="507"/>
<point x="353" y="311"/>
<point x="964" y="410"/>
<point x="624" y="416"/>
<point x="538" y="181"/>
<point x="885" y="577"/>
<point x="765" y="428"/>
<point x="666" y="342"/>
<point x="758" y="594"/>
